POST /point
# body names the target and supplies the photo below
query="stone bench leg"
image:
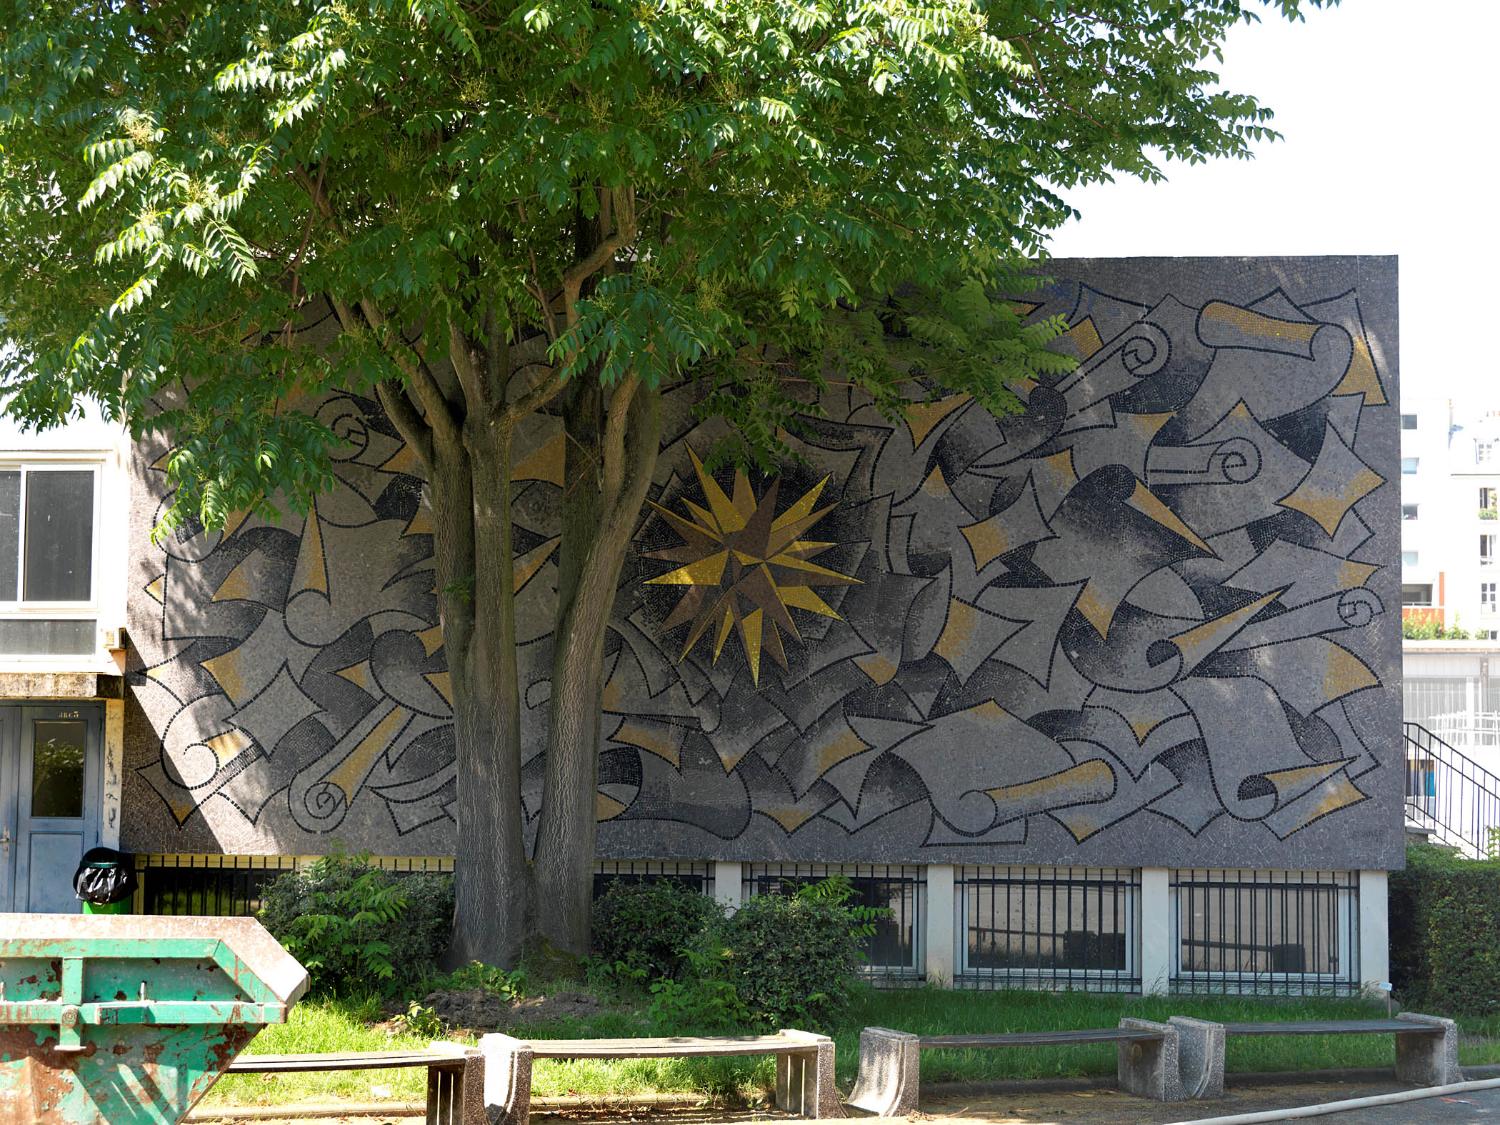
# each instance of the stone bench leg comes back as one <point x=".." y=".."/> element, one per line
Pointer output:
<point x="889" y="1072"/>
<point x="804" y="1079"/>
<point x="1200" y="1055"/>
<point x="1146" y="1067"/>
<point x="1428" y="1057"/>
<point x="507" y="1079"/>
<point x="455" y="1092"/>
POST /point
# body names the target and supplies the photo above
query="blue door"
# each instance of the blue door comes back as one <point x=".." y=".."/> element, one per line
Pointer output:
<point x="49" y="803"/>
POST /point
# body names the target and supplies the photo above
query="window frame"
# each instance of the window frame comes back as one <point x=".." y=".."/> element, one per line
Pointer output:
<point x="18" y="608"/>
<point x="1344" y="940"/>
<point x="1414" y="462"/>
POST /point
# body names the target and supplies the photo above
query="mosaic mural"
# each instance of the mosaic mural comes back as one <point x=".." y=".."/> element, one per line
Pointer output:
<point x="1151" y="619"/>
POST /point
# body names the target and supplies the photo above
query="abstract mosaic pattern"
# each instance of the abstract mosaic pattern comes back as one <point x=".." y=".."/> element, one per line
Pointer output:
<point x="1151" y="619"/>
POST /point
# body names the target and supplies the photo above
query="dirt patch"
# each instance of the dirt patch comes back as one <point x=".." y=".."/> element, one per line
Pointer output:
<point x="475" y="1010"/>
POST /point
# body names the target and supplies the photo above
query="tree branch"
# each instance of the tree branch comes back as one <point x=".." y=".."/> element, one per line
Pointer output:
<point x="469" y="378"/>
<point x="602" y="254"/>
<point x="435" y="405"/>
<point x="614" y="440"/>
<point x="407" y="419"/>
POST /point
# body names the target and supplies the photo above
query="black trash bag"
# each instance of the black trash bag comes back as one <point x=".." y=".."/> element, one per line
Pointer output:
<point x="104" y="876"/>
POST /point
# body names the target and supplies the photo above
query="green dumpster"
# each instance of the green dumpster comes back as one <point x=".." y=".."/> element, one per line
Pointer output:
<point x="126" y="1019"/>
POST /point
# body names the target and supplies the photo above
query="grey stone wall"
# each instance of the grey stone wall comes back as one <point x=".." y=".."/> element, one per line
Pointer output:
<point x="1153" y="620"/>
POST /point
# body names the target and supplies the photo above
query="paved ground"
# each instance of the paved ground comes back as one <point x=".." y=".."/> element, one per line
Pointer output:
<point x="1082" y="1107"/>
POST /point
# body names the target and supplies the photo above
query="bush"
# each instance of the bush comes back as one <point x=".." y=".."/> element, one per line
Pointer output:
<point x="794" y="960"/>
<point x="650" y="927"/>
<point x="355" y="927"/>
<point x="1444" y="914"/>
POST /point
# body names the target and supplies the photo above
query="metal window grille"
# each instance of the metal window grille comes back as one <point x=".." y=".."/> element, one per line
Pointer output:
<point x="697" y="875"/>
<point x="231" y="885"/>
<point x="1272" y="933"/>
<point x="895" y="953"/>
<point x="1059" y="928"/>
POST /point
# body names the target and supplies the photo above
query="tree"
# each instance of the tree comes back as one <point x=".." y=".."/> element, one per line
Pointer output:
<point x="556" y="206"/>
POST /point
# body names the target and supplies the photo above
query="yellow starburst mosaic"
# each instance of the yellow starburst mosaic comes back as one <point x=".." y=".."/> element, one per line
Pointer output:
<point x="746" y="568"/>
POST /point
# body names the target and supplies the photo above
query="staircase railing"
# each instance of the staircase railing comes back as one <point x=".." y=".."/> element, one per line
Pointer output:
<point x="1449" y="794"/>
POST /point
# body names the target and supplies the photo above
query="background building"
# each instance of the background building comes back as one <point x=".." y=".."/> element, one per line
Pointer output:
<point x="1102" y="695"/>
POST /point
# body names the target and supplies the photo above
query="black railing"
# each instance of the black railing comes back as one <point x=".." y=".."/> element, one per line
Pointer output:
<point x="1449" y="795"/>
<point x="1049" y="928"/>
<point x="1269" y="933"/>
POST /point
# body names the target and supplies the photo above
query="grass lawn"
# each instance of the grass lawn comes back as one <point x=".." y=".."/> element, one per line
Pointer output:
<point x="344" y="1025"/>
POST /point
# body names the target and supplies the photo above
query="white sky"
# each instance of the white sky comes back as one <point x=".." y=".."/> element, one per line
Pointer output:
<point x="1387" y="110"/>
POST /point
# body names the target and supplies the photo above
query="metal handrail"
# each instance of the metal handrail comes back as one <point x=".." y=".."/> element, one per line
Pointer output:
<point x="1448" y="793"/>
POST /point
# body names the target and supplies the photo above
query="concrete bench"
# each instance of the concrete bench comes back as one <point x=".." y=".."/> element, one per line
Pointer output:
<point x="1426" y="1047"/>
<point x="804" y="1066"/>
<point x="455" y="1075"/>
<point x="890" y="1070"/>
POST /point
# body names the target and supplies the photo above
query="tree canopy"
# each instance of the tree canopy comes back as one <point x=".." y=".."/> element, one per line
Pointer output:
<point x="552" y="206"/>
<point x="180" y="178"/>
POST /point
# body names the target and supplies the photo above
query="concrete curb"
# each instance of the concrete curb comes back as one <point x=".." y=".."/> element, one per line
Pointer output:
<point x="1234" y="1078"/>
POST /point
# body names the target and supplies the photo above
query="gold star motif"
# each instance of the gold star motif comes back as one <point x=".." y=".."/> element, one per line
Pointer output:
<point x="746" y="567"/>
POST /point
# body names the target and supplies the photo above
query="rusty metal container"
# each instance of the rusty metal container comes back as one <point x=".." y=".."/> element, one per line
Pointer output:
<point x="125" y="1020"/>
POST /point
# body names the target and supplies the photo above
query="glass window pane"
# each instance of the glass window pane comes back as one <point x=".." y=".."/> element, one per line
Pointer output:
<point x="57" y="768"/>
<point x="10" y="532"/>
<point x="59" y="536"/>
<point x="45" y="637"/>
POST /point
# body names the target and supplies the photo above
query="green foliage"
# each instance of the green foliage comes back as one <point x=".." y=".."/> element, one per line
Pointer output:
<point x="706" y="1000"/>
<point x="508" y="984"/>
<point x="773" y="192"/>
<point x="1431" y="629"/>
<point x="1444" y="914"/>
<point x="794" y="960"/>
<point x="357" y="928"/>
<point x="648" y="931"/>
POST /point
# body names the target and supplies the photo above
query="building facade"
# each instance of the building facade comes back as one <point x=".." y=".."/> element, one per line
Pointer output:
<point x="1450" y="533"/>
<point x="1103" y="694"/>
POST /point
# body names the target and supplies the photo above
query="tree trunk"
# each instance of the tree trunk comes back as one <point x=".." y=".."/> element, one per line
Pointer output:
<point x="565" y="837"/>
<point x="494" y="899"/>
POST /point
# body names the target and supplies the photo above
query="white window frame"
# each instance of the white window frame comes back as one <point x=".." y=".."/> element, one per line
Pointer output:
<point x="18" y="609"/>
<point x="1487" y="597"/>
<point x="1484" y="452"/>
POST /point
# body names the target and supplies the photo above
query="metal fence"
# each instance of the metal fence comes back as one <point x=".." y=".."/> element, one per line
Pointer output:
<point x="896" y="951"/>
<point x="1051" y="928"/>
<point x="231" y="885"/>
<point x="1272" y="933"/>
<point x="698" y="876"/>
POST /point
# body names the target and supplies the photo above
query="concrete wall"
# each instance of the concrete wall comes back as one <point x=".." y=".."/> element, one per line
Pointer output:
<point x="1152" y="621"/>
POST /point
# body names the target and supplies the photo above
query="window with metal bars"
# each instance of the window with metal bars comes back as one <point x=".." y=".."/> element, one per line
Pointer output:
<point x="1049" y="928"/>
<point x="895" y="952"/>
<point x="1265" y="932"/>
<point x="695" y="875"/>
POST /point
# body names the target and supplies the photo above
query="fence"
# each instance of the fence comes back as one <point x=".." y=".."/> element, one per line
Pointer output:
<point x="231" y="885"/>
<point x="1049" y="928"/>
<point x="895" y="951"/>
<point x="1265" y="932"/>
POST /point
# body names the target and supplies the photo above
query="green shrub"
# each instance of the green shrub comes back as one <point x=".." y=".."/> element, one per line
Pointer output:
<point x="650" y="927"/>
<point x="794" y="960"/>
<point x="1444" y="915"/>
<point x="357" y="928"/>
